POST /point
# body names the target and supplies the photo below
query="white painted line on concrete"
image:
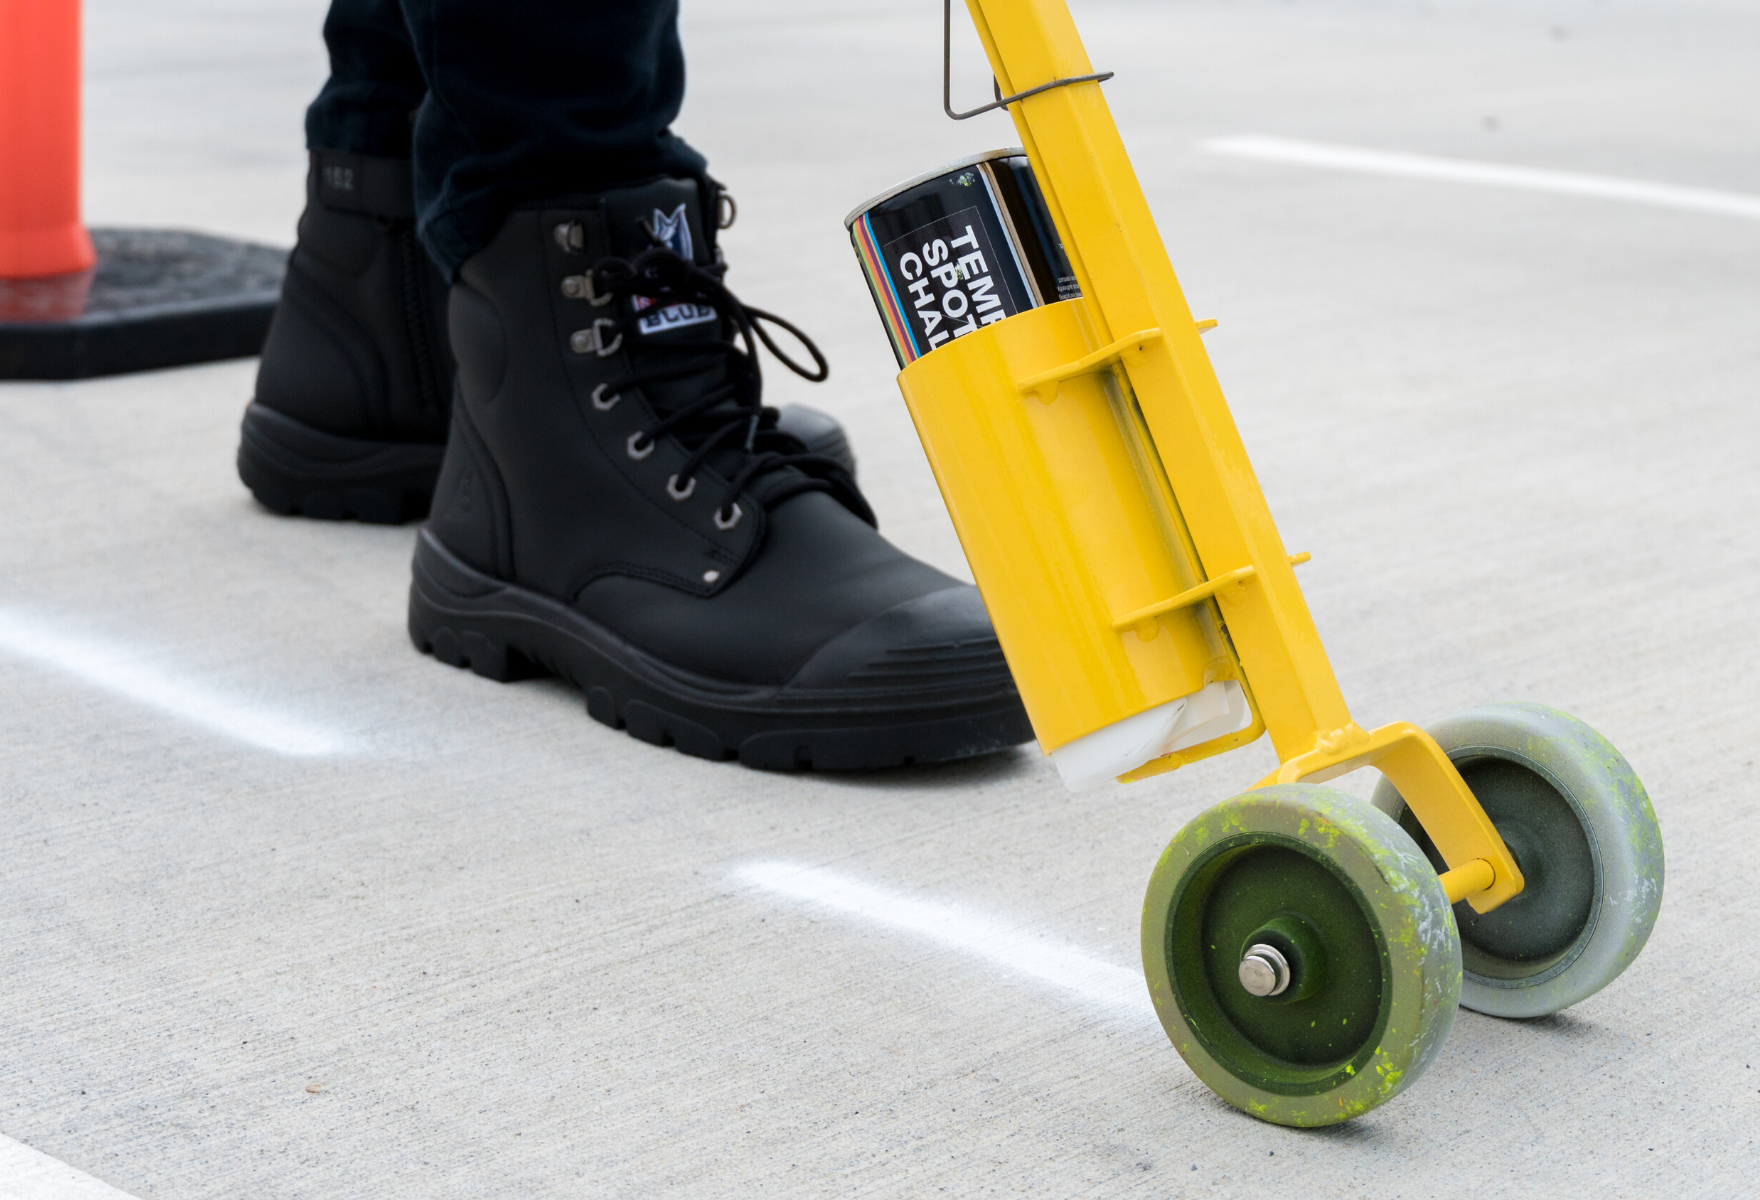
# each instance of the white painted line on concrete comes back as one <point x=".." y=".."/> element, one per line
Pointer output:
<point x="125" y="671"/>
<point x="1458" y="170"/>
<point x="1099" y="983"/>
<point x="27" y="1174"/>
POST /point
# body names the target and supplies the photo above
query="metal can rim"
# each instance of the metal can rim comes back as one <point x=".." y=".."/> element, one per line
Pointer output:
<point x="970" y="160"/>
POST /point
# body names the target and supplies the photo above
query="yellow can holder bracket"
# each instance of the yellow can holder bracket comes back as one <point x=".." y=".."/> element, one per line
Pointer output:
<point x="1074" y="536"/>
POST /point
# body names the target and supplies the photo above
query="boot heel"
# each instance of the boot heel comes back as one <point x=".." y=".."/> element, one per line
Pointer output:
<point x="485" y="657"/>
<point x="290" y="467"/>
<point x="442" y="621"/>
<point x="456" y="647"/>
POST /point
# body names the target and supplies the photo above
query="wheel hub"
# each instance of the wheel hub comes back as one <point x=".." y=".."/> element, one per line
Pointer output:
<point x="1264" y="971"/>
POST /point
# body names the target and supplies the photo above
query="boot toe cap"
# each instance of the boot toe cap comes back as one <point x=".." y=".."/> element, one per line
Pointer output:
<point x="940" y="645"/>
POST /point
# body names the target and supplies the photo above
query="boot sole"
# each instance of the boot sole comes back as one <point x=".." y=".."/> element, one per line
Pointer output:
<point x="294" y="469"/>
<point x="503" y="632"/>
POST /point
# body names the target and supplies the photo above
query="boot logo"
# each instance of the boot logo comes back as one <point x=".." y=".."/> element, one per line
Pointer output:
<point x="673" y="232"/>
<point x="673" y="316"/>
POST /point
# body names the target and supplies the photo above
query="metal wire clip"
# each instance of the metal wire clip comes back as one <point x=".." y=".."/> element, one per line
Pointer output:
<point x="1001" y="100"/>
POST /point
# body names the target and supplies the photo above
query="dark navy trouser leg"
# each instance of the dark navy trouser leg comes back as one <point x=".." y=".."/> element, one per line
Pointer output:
<point x="368" y="104"/>
<point x="524" y="99"/>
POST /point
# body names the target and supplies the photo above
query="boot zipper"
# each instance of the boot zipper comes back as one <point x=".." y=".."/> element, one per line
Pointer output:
<point x="418" y="320"/>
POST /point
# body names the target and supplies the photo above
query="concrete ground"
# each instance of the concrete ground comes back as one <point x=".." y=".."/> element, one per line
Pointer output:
<point x="289" y="910"/>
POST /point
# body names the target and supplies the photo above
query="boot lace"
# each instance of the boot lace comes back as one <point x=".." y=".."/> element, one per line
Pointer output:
<point x="730" y="413"/>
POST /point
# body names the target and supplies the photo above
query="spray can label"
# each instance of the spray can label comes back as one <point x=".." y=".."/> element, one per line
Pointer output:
<point x="948" y="253"/>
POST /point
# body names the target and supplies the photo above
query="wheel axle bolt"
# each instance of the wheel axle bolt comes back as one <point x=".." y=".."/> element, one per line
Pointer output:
<point x="1264" y="970"/>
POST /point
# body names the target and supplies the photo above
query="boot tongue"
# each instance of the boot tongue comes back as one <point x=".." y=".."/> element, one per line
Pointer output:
<point x="666" y="212"/>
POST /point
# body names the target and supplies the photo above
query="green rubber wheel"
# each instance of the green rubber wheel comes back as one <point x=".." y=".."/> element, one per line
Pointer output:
<point x="1581" y="829"/>
<point x="1339" y="907"/>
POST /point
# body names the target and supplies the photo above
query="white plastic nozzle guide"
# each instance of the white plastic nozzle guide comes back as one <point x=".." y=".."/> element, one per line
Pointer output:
<point x="1212" y="711"/>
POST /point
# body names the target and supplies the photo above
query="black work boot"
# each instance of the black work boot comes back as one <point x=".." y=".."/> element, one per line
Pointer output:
<point x="355" y="387"/>
<point x="617" y="507"/>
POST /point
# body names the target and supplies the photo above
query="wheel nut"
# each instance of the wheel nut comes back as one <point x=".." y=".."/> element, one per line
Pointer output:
<point x="1264" y="970"/>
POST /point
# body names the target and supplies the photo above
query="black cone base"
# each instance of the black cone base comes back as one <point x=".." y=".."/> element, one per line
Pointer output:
<point x="157" y="298"/>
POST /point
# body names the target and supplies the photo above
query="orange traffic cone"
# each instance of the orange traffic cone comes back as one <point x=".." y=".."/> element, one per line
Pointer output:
<point x="42" y="240"/>
<point x="159" y="298"/>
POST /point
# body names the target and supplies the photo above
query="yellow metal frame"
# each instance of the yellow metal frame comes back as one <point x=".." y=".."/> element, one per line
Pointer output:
<point x="1114" y="397"/>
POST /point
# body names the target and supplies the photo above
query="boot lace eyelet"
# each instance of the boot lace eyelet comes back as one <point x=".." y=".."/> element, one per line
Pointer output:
<point x="678" y="493"/>
<point x="593" y="341"/>
<point x="605" y="403"/>
<point x="643" y="452"/>
<point x="581" y="287"/>
<point x="571" y="235"/>
<point x="727" y="522"/>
